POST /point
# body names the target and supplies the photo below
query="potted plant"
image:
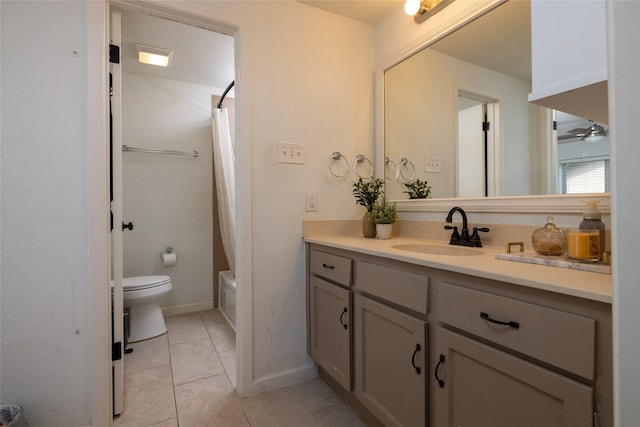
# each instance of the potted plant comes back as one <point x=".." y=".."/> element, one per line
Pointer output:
<point x="366" y="194"/>
<point x="418" y="189"/>
<point x="384" y="214"/>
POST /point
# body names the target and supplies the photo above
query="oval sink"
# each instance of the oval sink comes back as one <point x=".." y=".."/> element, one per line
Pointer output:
<point x="448" y="250"/>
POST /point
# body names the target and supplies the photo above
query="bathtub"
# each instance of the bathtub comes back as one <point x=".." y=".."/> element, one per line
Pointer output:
<point x="227" y="297"/>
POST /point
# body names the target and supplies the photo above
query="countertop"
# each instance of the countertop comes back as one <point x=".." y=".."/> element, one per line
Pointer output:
<point x="582" y="284"/>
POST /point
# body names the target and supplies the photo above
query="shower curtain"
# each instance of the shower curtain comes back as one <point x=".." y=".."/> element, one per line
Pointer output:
<point x="224" y="165"/>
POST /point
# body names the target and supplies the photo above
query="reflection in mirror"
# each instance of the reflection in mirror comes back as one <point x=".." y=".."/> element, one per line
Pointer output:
<point x="458" y="112"/>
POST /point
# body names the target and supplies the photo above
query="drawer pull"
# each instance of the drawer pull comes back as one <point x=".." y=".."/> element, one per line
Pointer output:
<point x="413" y="359"/>
<point x="440" y="361"/>
<point x="328" y="266"/>
<point x="512" y="324"/>
<point x="341" y="315"/>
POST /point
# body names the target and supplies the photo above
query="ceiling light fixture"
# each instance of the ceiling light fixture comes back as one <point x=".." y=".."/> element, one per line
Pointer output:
<point x="421" y="10"/>
<point x="153" y="55"/>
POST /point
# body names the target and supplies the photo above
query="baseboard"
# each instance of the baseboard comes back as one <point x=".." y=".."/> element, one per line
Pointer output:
<point x="187" y="308"/>
<point x="282" y="379"/>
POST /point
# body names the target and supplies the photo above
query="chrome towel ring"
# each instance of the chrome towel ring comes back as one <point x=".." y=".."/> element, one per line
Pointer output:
<point x="336" y="158"/>
<point x="360" y="160"/>
<point x="390" y="176"/>
<point x="406" y="166"/>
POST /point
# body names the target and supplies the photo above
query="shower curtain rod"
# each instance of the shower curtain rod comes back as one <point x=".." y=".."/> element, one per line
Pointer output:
<point x="146" y="150"/>
<point x="225" y="93"/>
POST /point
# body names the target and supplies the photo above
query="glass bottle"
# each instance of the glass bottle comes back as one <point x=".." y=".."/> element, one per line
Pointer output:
<point x="549" y="240"/>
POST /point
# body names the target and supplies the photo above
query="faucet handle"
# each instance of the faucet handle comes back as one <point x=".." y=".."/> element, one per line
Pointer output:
<point x="475" y="237"/>
<point x="455" y="236"/>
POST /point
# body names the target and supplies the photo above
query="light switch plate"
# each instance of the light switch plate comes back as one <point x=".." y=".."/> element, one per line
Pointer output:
<point x="311" y="201"/>
<point x="433" y="164"/>
<point x="290" y="152"/>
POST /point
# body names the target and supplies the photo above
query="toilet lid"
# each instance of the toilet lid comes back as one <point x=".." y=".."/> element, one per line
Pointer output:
<point x="144" y="282"/>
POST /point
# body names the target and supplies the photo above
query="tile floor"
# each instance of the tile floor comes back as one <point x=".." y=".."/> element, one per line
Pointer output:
<point x="184" y="378"/>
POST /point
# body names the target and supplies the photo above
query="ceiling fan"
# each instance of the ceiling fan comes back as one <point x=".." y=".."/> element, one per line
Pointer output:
<point x="594" y="132"/>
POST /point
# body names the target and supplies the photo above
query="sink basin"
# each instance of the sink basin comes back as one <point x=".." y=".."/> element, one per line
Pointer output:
<point x="448" y="250"/>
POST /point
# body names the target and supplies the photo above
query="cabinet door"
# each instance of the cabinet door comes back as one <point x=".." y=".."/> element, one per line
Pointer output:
<point x="390" y="363"/>
<point x="330" y="329"/>
<point x="482" y="386"/>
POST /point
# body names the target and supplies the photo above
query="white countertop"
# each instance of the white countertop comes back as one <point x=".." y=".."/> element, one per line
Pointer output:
<point x="582" y="284"/>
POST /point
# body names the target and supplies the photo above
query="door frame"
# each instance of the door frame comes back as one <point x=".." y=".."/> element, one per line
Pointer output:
<point x="229" y="21"/>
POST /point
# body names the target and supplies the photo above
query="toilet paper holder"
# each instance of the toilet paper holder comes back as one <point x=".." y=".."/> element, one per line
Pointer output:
<point x="166" y="251"/>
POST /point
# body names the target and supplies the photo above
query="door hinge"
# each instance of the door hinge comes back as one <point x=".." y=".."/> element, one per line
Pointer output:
<point x="486" y="126"/>
<point x="555" y="125"/>
<point x="116" y="351"/>
<point x="114" y="54"/>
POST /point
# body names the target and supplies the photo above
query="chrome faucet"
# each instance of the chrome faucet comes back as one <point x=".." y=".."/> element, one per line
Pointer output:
<point x="463" y="237"/>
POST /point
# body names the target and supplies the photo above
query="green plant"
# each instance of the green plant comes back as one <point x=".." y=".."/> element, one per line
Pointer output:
<point x="418" y="189"/>
<point x="384" y="212"/>
<point x="367" y="193"/>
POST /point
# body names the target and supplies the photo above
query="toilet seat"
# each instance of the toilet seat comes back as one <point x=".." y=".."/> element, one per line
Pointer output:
<point x="139" y="283"/>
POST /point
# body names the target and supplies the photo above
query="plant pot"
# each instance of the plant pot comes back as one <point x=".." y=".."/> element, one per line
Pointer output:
<point x="384" y="231"/>
<point x="368" y="226"/>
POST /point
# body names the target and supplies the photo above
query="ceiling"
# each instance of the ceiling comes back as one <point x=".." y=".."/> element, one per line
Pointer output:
<point x="367" y="11"/>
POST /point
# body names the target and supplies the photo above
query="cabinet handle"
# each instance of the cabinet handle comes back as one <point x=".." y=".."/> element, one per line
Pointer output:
<point x="512" y="324"/>
<point x="413" y="359"/>
<point x="341" y="315"/>
<point x="440" y="361"/>
<point x="327" y="266"/>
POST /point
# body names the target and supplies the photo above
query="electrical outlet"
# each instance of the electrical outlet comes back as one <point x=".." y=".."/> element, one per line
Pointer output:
<point x="290" y="152"/>
<point x="433" y="164"/>
<point x="311" y="201"/>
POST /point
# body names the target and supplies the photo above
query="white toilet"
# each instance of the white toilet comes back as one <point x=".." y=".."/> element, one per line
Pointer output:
<point x="140" y="295"/>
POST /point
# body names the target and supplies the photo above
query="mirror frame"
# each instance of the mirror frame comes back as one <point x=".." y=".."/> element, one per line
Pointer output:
<point x="551" y="204"/>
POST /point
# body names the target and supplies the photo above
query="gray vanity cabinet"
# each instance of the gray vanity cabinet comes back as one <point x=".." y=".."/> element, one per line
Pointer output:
<point x="483" y="386"/>
<point x="504" y="362"/>
<point x="329" y="311"/>
<point x="391" y="346"/>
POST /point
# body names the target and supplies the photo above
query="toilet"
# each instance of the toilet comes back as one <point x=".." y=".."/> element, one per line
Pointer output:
<point x="141" y="296"/>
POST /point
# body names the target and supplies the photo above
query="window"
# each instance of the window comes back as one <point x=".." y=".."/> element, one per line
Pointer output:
<point x="590" y="176"/>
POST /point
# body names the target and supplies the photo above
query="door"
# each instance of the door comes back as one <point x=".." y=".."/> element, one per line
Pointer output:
<point x="477" y="164"/>
<point x="330" y="329"/>
<point x="477" y="385"/>
<point x="117" y="329"/>
<point x="390" y="363"/>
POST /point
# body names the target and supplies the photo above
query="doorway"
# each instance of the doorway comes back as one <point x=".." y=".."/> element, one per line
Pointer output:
<point x="168" y="197"/>
<point x="476" y="146"/>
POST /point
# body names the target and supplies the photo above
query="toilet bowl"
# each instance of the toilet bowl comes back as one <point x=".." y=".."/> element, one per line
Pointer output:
<point x="141" y="295"/>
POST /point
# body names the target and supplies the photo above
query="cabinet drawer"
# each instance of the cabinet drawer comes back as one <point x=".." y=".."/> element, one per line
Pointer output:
<point x="400" y="287"/>
<point x="561" y="339"/>
<point x="333" y="267"/>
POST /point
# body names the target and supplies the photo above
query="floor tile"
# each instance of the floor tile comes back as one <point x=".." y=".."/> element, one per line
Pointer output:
<point x="338" y="414"/>
<point x="209" y="402"/>
<point x="185" y="327"/>
<point x="280" y="407"/>
<point x="212" y="316"/>
<point x="316" y="394"/>
<point x="194" y="360"/>
<point x="148" y="397"/>
<point x="147" y="354"/>
<point x="222" y="335"/>
<point x="229" y="362"/>
<point x="173" y="422"/>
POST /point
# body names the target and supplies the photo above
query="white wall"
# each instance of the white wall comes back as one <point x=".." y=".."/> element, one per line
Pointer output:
<point x="624" y="109"/>
<point x="45" y="351"/>
<point x="168" y="197"/>
<point x="311" y="79"/>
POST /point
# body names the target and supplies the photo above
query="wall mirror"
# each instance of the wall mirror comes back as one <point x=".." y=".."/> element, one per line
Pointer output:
<point x="456" y="115"/>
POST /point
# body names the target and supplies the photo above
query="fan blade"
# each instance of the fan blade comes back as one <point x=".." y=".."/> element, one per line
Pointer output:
<point x="567" y="136"/>
<point x="579" y="131"/>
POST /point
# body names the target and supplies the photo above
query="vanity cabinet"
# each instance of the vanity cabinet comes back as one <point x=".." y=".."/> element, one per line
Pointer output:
<point x="496" y="370"/>
<point x="434" y="347"/>
<point x="569" y="57"/>
<point x="329" y="314"/>
<point x="391" y="344"/>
